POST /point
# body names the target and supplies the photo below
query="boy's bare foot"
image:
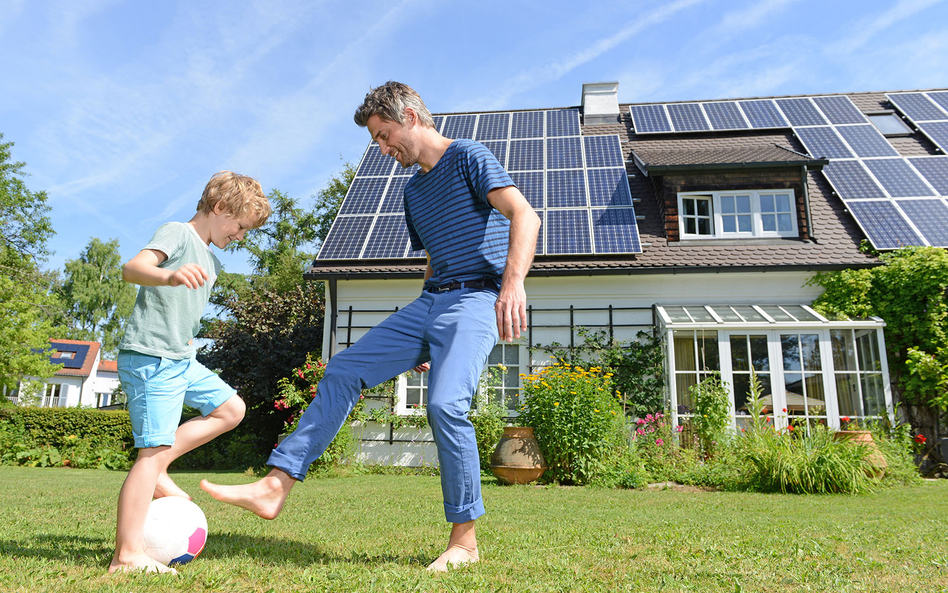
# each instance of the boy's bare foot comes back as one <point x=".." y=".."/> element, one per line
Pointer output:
<point x="167" y="487"/>
<point x="454" y="556"/>
<point x="142" y="562"/>
<point x="265" y="497"/>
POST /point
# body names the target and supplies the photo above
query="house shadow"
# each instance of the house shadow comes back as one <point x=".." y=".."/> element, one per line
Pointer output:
<point x="93" y="552"/>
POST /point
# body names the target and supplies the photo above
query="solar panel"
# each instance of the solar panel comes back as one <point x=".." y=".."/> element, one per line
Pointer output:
<point x="866" y="141"/>
<point x="898" y="178"/>
<point x="525" y="155"/>
<point x="493" y="126"/>
<point x="609" y="187"/>
<point x="346" y="237"/>
<point x="687" y="117"/>
<point x="80" y="351"/>
<point x="388" y="239"/>
<point x="762" y="113"/>
<point x="851" y="181"/>
<point x="399" y="170"/>
<point x="916" y="106"/>
<point x="527" y="124"/>
<point x="822" y="141"/>
<point x="539" y="249"/>
<point x="725" y="115"/>
<point x="438" y="121"/>
<point x="394" y="199"/>
<point x="603" y="151"/>
<point x="883" y="224"/>
<point x="459" y="126"/>
<point x="562" y="122"/>
<point x="530" y="184"/>
<point x="615" y="231"/>
<point x="363" y="196"/>
<point x="375" y="163"/>
<point x="937" y="131"/>
<point x="648" y="119"/>
<point x="941" y="98"/>
<point x="565" y="189"/>
<point x="564" y="153"/>
<point x="499" y="149"/>
<point x="801" y="112"/>
<point x="567" y="231"/>
<point x="930" y="217"/>
<point x="840" y="110"/>
<point x="935" y="170"/>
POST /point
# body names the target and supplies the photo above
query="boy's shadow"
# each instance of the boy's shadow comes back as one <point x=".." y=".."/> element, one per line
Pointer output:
<point x="91" y="551"/>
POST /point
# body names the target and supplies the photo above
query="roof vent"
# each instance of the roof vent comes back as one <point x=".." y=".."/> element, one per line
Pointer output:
<point x="600" y="103"/>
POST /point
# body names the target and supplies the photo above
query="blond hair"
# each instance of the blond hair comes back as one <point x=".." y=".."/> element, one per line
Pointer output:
<point x="389" y="102"/>
<point x="239" y="195"/>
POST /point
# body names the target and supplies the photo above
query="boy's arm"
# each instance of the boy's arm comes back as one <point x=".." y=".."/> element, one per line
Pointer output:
<point x="143" y="270"/>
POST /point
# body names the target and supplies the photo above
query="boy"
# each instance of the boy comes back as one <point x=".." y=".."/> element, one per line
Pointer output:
<point x="156" y="364"/>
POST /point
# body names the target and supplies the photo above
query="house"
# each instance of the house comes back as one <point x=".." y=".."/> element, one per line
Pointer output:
<point x="84" y="380"/>
<point x="701" y="222"/>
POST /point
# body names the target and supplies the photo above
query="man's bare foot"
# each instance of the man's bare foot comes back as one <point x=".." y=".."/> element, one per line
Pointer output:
<point x="454" y="556"/>
<point x="265" y="497"/>
<point x="142" y="562"/>
<point x="167" y="487"/>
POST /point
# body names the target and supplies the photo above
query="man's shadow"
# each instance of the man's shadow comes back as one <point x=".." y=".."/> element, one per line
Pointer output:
<point x="91" y="552"/>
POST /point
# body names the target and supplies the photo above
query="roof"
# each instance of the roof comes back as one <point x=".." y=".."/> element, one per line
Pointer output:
<point x="80" y="364"/>
<point x="652" y="160"/>
<point x="834" y="239"/>
<point x="108" y="366"/>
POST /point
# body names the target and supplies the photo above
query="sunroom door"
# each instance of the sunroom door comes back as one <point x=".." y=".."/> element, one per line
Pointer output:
<point x="794" y="372"/>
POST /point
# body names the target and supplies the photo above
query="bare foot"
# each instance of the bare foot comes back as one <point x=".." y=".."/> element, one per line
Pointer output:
<point x="265" y="497"/>
<point x="454" y="556"/>
<point x="167" y="487"/>
<point x="142" y="562"/>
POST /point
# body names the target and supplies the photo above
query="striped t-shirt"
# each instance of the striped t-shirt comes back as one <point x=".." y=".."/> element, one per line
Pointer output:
<point x="448" y="214"/>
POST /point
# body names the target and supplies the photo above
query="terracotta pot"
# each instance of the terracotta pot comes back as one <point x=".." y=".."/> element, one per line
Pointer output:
<point x="874" y="456"/>
<point x="517" y="458"/>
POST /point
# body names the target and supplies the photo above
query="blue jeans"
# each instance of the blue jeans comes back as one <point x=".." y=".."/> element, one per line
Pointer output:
<point x="455" y="330"/>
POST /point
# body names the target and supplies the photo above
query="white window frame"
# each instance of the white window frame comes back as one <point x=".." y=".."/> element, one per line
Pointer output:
<point x="756" y="214"/>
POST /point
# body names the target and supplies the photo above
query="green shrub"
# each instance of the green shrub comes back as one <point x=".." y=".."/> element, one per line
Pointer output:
<point x="488" y="421"/>
<point x="653" y="440"/>
<point x="56" y="426"/>
<point x="712" y="412"/>
<point x="577" y="421"/>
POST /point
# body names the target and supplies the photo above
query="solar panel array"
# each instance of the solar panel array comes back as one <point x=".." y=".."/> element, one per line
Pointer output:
<point x="578" y="185"/>
<point x="897" y="201"/>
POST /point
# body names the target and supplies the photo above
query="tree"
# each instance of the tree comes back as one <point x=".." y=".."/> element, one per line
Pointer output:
<point x="910" y="293"/>
<point x="26" y="306"/>
<point x="96" y="301"/>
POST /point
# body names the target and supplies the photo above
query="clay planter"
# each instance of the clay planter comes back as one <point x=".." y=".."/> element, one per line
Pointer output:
<point x="517" y="458"/>
<point x="874" y="456"/>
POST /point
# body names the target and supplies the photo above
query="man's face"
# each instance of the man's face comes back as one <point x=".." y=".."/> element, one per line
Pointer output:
<point x="395" y="140"/>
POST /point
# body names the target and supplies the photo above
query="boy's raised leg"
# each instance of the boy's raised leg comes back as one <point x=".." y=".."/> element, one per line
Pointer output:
<point x="265" y="497"/>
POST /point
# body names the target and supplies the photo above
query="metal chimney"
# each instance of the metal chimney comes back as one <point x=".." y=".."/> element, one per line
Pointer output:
<point x="600" y="103"/>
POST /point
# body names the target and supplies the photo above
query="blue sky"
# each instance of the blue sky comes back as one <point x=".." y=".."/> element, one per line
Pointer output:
<point x="123" y="109"/>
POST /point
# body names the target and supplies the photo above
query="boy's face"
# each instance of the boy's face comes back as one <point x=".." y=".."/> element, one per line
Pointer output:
<point x="225" y="228"/>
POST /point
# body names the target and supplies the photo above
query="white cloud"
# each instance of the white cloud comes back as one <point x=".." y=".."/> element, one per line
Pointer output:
<point x="869" y="27"/>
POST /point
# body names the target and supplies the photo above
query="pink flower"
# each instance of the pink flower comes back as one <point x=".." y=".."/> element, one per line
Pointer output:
<point x="679" y="428"/>
<point x="659" y="442"/>
<point x="307" y="366"/>
<point x="640" y="422"/>
<point x="640" y="432"/>
<point x="300" y="373"/>
<point x="651" y="429"/>
<point x="649" y="417"/>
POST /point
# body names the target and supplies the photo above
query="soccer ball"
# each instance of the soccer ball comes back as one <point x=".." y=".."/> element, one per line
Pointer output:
<point x="175" y="530"/>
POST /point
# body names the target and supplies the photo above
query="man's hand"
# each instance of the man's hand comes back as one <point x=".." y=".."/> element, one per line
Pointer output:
<point x="190" y="275"/>
<point x="511" y="310"/>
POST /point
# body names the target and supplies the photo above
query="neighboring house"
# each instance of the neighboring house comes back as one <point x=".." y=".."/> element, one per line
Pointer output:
<point x="701" y="222"/>
<point x="84" y="380"/>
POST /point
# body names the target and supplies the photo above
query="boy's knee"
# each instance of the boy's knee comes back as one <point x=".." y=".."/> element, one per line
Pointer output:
<point x="232" y="411"/>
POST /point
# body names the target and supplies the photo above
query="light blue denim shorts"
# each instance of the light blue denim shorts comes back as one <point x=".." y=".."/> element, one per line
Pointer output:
<point x="158" y="387"/>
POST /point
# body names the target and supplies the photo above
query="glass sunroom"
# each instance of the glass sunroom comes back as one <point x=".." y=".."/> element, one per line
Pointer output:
<point x="812" y="370"/>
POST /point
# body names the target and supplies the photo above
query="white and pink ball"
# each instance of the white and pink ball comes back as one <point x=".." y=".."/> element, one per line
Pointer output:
<point x="175" y="530"/>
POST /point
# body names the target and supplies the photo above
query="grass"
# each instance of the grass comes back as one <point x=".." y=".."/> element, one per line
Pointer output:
<point x="378" y="532"/>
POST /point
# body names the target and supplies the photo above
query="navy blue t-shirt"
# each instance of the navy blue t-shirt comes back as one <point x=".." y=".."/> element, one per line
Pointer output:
<point x="448" y="214"/>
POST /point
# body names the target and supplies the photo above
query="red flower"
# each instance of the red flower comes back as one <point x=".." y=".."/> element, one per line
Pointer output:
<point x="763" y="410"/>
<point x="920" y="439"/>
<point x="300" y="373"/>
<point x="785" y="410"/>
<point x="845" y="418"/>
<point x="307" y="366"/>
<point x="790" y="428"/>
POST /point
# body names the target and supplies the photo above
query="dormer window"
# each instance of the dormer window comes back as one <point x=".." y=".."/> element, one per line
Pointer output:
<point x="737" y="214"/>
<point x="62" y="354"/>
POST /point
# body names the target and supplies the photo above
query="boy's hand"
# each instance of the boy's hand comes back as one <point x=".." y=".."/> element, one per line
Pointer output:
<point x="423" y="367"/>
<point x="190" y="275"/>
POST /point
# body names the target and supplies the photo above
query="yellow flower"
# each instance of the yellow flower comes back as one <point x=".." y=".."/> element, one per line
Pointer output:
<point x="502" y="367"/>
<point x="613" y="412"/>
<point x="595" y="410"/>
<point x="556" y="404"/>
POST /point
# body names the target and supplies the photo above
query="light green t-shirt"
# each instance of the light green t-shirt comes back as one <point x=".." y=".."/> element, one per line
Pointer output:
<point x="166" y="318"/>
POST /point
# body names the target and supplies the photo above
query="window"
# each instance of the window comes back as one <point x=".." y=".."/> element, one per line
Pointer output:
<point x="61" y="354"/>
<point x="502" y="377"/>
<point x="696" y="356"/>
<point x="53" y="396"/>
<point x="890" y="124"/>
<point x="416" y="390"/>
<point x="859" y="382"/>
<point x="738" y="214"/>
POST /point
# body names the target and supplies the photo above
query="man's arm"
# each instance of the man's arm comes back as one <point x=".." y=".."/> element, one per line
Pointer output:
<point x="511" y="307"/>
<point x="143" y="270"/>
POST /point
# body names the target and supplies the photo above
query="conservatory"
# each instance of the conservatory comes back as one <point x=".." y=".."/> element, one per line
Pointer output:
<point x="812" y="370"/>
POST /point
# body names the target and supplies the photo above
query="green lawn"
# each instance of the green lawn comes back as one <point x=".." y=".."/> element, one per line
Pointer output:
<point x="377" y="533"/>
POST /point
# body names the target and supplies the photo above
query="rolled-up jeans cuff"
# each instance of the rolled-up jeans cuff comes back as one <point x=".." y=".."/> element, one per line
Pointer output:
<point x="464" y="514"/>
<point x="284" y="463"/>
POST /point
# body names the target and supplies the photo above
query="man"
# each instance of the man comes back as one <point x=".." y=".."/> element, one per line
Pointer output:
<point x="479" y="233"/>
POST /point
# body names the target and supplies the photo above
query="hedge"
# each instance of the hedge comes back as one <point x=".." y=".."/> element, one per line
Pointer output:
<point x="52" y="426"/>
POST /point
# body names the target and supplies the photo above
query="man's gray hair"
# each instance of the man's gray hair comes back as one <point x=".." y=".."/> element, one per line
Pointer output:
<point x="389" y="102"/>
